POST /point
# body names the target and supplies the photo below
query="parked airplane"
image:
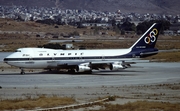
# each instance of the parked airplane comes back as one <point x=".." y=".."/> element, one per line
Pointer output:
<point x="85" y="60"/>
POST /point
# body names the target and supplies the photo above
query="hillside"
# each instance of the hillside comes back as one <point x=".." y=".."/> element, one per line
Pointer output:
<point x="145" y="6"/>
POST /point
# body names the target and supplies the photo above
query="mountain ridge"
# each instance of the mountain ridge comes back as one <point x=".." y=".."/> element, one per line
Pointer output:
<point x="126" y="6"/>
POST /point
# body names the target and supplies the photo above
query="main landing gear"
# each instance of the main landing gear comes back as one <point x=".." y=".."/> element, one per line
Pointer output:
<point x="71" y="71"/>
<point x="22" y="71"/>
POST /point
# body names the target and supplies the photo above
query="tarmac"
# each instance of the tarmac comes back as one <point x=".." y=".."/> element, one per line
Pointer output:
<point x="151" y="81"/>
<point x="140" y="73"/>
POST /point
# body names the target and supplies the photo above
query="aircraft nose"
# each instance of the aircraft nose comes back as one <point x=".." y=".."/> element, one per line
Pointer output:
<point x="5" y="60"/>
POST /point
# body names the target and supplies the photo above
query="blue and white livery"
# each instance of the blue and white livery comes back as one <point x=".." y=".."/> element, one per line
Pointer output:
<point x="85" y="60"/>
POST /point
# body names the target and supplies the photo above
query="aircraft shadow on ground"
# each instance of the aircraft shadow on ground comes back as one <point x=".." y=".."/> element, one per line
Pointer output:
<point x="99" y="73"/>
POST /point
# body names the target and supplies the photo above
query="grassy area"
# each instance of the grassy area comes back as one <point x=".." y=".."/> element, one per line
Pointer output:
<point x="141" y="106"/>
<point x="13" y="44"/>
<point x="49" y="102"/>
<point x="17" y="39"/>
<point x="166" y="57"/>
<point x="29" y="103"/>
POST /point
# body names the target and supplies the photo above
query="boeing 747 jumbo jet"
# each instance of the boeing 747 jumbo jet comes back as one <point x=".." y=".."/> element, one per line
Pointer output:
<point x="85" y="60"/>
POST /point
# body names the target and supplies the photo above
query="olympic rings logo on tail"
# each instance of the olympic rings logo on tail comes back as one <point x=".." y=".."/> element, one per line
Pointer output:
<point x="151" y="38"/>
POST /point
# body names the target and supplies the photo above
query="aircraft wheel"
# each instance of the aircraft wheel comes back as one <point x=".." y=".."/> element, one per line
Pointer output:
<point x="71" y="71"/>
<point x="88" y="72"/>
<point x="22" y="71"/>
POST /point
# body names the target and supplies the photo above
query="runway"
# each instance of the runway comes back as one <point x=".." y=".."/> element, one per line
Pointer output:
<point x="141" y="73"/>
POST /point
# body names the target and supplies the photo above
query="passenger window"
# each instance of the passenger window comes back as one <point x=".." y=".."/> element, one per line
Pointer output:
<point x="41" y="54"/>
<point x="18" y="51"/>
<point x="25" y="54"/>
<point x="69" y="53"/>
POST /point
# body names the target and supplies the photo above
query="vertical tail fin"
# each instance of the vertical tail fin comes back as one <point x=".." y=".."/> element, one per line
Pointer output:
<point x="148" y="39"/>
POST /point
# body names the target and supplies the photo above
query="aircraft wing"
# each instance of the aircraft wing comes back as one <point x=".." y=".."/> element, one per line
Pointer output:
<point x="112" y="65"/>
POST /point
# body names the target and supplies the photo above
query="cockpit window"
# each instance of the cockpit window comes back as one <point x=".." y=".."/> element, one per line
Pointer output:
<point x="18" y="50"/>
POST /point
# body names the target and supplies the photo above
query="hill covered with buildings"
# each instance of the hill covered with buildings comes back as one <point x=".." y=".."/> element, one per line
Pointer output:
<point x="126" y="6"/>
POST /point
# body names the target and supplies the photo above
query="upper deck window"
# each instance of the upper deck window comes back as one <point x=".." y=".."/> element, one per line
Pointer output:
<point x="18" y="50"/>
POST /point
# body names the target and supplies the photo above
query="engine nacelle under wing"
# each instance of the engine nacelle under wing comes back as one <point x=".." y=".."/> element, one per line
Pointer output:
<point x="116" y="66"/>
<point x="83" y="68"/>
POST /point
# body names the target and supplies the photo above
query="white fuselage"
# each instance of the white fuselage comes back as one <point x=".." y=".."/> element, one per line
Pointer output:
<point x="45" y="58"/>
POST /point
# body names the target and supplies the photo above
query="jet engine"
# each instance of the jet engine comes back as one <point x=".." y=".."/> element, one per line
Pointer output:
<point x="116" y="66"/>
<point x="83" y="68"/>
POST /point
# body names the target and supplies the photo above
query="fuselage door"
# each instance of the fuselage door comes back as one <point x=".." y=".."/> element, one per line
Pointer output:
<point x="103" y="57"/>
<point x="81" y="57"/>
<point x="53" y="56"/>
<point x="31" y="60"/>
